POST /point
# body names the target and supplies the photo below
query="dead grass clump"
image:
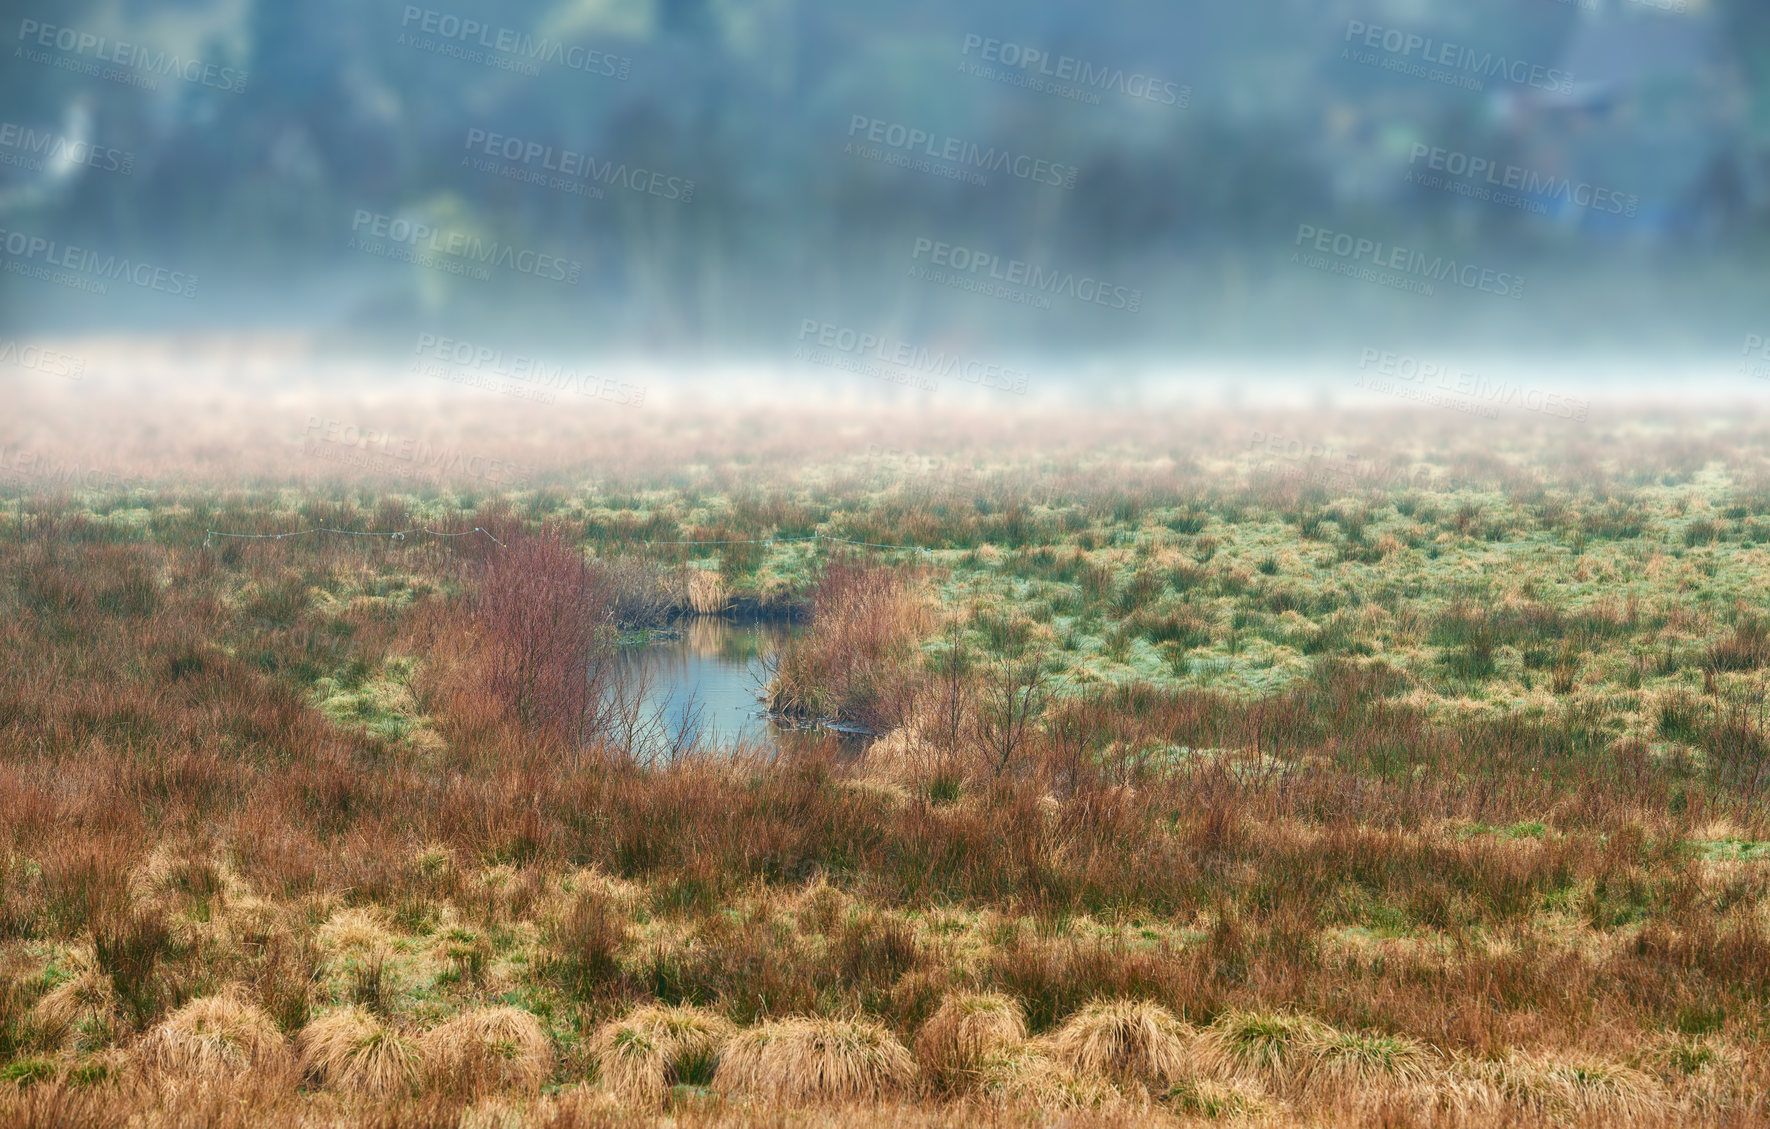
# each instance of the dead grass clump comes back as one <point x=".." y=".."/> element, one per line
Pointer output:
<point x="1747" y="648"/>
<point x="902" y="756"/>
<point x="966" y="1029"/>
<point x="1210" y="1099"/>
<point x="352" y="1050"/>
<point x="707" y="592"/>
<point x="1461" y="1094"/>
<point x="217" y="1038"/>
<point x="1032" y="1075"/>
<point x="361" y="931"/>
<point x="654" y="1047"/>
<point x="81" y="1011"/>
<point x="489" y="1049"/>
<point x="631" y="1064"/>
<point x="1584" y="1087"/>
<point x="816" y="1060"/>
<point x="588" y="937"/>
<point x="1126" y="1039"/>
<point x="1357" y="1058"/>
<point x="1274" y="1047"/>
<point x="200" y="897"/>
<point x="1702" y="1070"/>
<point x="820" y="907"/>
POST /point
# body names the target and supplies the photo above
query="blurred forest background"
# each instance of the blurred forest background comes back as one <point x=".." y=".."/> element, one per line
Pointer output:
<point x="1195" y="205"/>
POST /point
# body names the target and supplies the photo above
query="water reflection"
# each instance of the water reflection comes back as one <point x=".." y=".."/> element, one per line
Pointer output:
<point x="709" y="680"/>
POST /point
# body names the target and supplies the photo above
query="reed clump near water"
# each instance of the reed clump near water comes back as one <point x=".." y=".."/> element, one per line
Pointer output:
<point x="708" y="593"/>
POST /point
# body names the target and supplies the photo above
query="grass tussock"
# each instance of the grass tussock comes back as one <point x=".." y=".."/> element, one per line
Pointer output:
<point x="816" y="1060"/>
<point x="353" y="1051"/>
<point x="489" y="1050"/>
<point x="218" y="1038"/>
<point x="708" y="593"/>
<point x="1215" y="1100"/>
<point x="1273" y="1048"/>
<point x="82" y="1011"/>
<point x="654" y="1047"/>
<point x="1561" y="1086"/>
<point x="1129" y="1039"/>
<point x="967" y="1029"/>
<point x="1033" y="1076"/>
<point x="1353" y="1059"/>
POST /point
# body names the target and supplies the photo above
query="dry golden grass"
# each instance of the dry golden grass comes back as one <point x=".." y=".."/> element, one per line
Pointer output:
<point x="356" y="930"/>
<point x="967" y="1028"/>
<point x="185" y="889"/>
<point x="1033" y="1076"/>
<point x="1583" y="1088"/>
<point x="708" y="593"/>
<point x="217" y="1037"/>
<point x="640" y="1056"/>
<point x="631" y="1065"/>
<point x="489" y="1049"/>
<point x="1214" y="1100"/>
<point x="1275" y="1048"/>
<point x="198" y="894"/>
<point x="1707" y="1072"/>
<point x="1128" y="1039"/>
<point x="900" y="757"/>
<point x="1339" y="1058"/>
<point x="80" y="1009"/>
<point x="352" y="1050"/>
<point x="816" y="1060"/>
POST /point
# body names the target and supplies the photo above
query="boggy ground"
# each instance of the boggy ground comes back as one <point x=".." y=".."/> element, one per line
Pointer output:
<point x="1223" y="780"/>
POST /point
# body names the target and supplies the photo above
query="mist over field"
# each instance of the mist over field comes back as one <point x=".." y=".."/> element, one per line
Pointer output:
<point x="739" y="563"/>
<point x="1582" y="188"/>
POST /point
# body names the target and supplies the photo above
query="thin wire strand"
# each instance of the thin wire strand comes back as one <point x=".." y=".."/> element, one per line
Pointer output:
<point x="400" y="535"/>
<point x="397" y="535"/>
<point x="773" y="540"/>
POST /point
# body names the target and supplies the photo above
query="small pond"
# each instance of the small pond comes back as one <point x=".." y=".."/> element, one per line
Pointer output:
<point x="715" y="665"/>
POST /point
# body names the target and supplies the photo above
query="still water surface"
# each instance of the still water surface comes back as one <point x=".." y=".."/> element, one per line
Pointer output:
<point x="716" y="666"/>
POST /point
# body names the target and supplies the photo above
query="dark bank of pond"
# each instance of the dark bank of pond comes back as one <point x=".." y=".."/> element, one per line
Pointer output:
<point x="717" y="665"/>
